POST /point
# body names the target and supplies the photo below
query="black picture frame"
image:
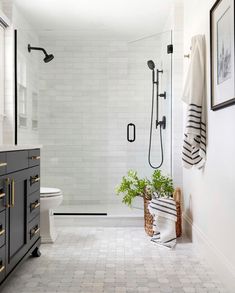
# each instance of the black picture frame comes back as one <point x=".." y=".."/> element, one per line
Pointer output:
<point x="230" y="101"/>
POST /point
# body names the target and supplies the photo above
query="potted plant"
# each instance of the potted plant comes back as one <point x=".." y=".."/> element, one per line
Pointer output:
<point x="132" y="186"/>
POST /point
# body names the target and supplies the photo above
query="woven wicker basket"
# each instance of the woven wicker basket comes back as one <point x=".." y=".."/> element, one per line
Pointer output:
<point x="148" y="218"/>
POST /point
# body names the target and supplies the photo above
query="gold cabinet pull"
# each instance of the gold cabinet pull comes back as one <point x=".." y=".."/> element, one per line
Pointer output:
<point x="34" y="231"/>
<point x="2" y="268"/>
<point x="2" y="232"/>
<point x="35" y="158"/>
<point x="34" y="179"/>
<point x="2" y="194"/>
<point x="3" y="164"/>
<point x="12" y="193"/>
<point x="35" y="205"/>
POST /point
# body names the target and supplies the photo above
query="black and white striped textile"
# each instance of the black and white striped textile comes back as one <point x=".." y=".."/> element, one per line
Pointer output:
<point x="165" y="215"/>
<point x="194" y="145"/>
<point x="194" y="95"/>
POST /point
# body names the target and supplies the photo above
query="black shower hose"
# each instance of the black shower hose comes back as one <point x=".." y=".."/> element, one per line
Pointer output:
<point x="150" y="137"/>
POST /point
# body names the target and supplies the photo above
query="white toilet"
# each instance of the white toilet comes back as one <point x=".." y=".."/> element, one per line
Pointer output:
<point x="50" y="199"/>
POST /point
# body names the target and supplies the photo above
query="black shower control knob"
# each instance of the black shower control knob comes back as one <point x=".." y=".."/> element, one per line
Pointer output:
<point x="163" y="95"/>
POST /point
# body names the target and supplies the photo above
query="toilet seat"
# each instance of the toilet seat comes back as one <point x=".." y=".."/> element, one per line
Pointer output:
<point x="50" y="192"/>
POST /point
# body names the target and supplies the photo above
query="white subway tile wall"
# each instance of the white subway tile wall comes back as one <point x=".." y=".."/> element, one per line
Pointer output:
<point x="87" y="96"/>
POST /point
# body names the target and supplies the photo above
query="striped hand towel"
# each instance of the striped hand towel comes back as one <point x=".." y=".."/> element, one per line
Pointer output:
<point x="164" y="212"/>
<point x="194" y="145"/>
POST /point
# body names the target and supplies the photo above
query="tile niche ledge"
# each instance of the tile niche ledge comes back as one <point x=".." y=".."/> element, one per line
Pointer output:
<point x="7" y="148"/>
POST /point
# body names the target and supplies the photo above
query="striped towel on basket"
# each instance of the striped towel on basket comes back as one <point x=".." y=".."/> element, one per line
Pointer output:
<point x="194" y="145"/>
<point x="164" y="213"/>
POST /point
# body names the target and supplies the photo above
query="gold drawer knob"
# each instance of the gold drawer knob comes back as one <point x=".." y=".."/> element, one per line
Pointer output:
<point x="2" y="268"/>
<point x="35" y="158"/>
<point x="3" y="164"/>
<point x="2" y="232"/>
<point x="2" y="194"/>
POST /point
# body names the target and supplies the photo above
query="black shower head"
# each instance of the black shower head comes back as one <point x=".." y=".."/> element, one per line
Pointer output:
<point x="151" y="64"/>
<point x="48" y="57"/>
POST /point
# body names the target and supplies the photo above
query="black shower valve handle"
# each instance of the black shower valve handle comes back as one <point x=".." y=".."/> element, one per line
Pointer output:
<point x="163" y="95"/>
<point x="161" y="123"/>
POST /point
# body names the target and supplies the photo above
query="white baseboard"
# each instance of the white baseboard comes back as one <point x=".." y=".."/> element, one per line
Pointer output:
<point x="211" y="253"/>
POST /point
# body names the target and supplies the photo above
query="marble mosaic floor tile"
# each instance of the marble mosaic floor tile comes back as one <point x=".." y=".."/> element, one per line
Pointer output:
<point x="113" y="260"/>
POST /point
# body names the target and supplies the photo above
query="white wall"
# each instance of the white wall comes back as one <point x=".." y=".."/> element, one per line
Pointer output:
<point x="209" y="194"/>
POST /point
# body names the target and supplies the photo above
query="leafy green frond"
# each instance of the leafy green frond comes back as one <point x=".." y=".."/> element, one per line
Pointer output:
<point x="132" y="186"/>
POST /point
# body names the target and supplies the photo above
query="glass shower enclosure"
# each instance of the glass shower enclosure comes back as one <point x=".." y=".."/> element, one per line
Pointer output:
<point x="78" y="107"/>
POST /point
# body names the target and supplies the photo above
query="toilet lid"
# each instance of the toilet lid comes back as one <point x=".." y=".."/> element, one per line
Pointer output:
<point x="48" y="191"/>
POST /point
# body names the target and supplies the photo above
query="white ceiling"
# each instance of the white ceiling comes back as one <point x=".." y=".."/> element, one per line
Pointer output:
<point x="133" y="18"/>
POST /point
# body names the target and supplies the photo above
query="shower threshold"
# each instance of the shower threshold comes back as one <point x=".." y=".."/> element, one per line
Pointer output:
<point x="99" y="210"/>
<point x="80" y="214"/>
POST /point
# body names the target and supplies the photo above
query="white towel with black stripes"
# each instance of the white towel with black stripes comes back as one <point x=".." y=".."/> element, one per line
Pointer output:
<point x="164" y="213"/>
<point x="194" y="95"/>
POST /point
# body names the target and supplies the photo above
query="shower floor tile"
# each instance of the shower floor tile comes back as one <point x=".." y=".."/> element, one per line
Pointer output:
<point x="113" y="260"/>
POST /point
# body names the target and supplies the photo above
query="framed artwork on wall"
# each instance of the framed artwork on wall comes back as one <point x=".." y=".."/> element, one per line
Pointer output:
<point x="222" y="54"/>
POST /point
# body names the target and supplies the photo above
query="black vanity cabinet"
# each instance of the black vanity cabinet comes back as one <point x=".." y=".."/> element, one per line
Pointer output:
<point x="19" y="208"/>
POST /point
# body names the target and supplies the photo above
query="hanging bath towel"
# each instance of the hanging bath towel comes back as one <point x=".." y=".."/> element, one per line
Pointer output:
<point x="194" y="95"/>
<point x="164" y="213"/>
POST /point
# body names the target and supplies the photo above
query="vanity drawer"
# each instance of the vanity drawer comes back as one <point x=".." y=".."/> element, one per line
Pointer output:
<point x="33" y="230"/>
<point x="34" y="157"/>
<point x="2" y="263"/>
<point x="33" y="205"/>
<point x="2" y="228"/>
<point x="34" y="179"/>
<point x="3" y="163"/>
<point x="17" y="161"/>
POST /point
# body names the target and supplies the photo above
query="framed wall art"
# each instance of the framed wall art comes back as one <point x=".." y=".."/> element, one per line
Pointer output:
<point x="222" y="54"/>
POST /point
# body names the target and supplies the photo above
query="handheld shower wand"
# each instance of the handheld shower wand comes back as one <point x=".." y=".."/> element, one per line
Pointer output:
<point x="161" y="123"/>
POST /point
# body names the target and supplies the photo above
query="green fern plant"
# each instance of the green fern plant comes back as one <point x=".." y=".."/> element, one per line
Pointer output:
<point x="162" y="185"/>
<point x="132" y="186"/>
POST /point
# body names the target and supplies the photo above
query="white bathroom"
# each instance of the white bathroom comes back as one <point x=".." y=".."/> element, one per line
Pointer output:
<point x="116" y="146"/>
